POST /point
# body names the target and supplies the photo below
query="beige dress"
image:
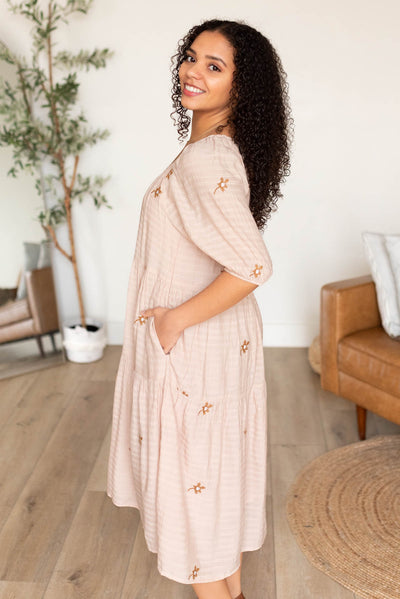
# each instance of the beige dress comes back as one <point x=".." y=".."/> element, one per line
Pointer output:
<point x="188" y="445"/>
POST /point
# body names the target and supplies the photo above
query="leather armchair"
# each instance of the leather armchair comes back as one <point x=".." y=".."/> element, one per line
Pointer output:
<point x="359" y="361"/>
<point x="33" y="316"/>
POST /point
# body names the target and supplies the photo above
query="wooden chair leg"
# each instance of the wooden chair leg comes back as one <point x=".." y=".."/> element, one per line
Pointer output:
<point x="361" y="422"/>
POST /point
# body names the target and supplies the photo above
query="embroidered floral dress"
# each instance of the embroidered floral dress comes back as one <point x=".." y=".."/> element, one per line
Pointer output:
<point x="188" y="445"/>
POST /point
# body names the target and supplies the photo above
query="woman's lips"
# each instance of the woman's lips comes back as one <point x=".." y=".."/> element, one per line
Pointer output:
<point x="191" y="92"/>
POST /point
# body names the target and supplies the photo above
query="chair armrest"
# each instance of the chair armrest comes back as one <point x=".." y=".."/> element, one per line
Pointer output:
<point x="42" y="299"/>
<point x="346" y="307"/>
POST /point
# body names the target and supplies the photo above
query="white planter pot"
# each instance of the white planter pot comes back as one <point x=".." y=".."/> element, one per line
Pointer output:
<point x="82" y="345"/>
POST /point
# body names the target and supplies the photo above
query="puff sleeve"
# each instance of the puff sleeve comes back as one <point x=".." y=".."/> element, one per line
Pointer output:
<point x="212" y="201"/>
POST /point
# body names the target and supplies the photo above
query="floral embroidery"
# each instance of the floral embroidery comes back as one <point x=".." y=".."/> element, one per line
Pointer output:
<point x="184" y="393"/>
<point x="222" y="185"/>
<point x="156" y="191"/>
<point x="142" y="319"/>
<point x="244" y="347"/>
<point x="194" y="573"/>
<point x="170" y="173"/>
<point x="256" y="271"/>
<point x="197" y="488"/>
<point x="245" y="431"/>
<point x="206" y="408"/>
<point x="140" y="438"/>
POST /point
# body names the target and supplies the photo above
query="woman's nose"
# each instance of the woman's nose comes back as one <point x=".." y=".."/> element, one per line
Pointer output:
<point x="194" y="71"/>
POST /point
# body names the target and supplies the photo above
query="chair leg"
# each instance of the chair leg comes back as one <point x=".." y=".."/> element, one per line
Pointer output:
<point x="361" y="422"/>
<point x="53" y="342"/>
<point x="40" y="344"/>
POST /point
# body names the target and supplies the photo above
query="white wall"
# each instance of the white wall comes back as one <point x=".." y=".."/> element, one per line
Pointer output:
<point x="341" y="57"/>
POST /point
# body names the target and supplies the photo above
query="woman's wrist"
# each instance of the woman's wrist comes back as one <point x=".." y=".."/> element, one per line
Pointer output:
<point x="176" y="318"/>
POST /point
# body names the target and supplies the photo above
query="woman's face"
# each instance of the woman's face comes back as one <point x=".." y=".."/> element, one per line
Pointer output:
<point x="206" y="73"/>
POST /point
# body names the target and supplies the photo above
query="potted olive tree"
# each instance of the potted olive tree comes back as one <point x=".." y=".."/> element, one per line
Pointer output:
<point x="47" y="135"/>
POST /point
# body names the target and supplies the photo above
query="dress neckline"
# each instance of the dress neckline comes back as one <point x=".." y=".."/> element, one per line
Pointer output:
<point x="192" y="143"/>
<point x="207" y="136"/>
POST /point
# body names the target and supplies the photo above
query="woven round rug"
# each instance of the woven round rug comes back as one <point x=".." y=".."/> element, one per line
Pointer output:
<point x="344" y="512"/>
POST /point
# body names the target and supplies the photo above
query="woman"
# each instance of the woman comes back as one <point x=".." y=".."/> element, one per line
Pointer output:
<point x="188" y="446"/>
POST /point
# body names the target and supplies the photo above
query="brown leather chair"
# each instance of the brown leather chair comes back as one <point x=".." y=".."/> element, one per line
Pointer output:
<point x="35" y="315"/>
<point x="359" y="361"/>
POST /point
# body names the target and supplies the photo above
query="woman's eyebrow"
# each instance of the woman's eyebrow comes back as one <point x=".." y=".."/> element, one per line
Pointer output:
<point x="208" y="56"/>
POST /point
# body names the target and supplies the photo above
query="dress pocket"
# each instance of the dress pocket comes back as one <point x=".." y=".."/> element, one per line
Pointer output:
<point x="156" y="341"/>
<point x="154" y="337"/>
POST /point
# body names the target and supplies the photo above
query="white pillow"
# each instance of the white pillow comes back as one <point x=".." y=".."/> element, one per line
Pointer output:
<point x="36" y="255"/>
<point x="384" y="275"/>
<point x="44" y="259"/>
<point x="31" y="257"/>
<point x="393" y="249"/>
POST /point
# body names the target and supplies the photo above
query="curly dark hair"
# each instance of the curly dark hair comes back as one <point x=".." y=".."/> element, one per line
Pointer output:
<point x="260" y="114"/>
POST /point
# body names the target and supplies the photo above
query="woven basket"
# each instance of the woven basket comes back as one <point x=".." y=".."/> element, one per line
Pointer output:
<point x="314" y="355"/>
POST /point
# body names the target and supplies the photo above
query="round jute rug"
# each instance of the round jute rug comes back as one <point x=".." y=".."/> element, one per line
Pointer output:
<point x="344" y="511"/>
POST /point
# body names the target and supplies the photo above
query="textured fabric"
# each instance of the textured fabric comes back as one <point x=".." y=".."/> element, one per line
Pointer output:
<point x="392" y="243"/>
<point x="384" y="277"/>
<point x="31" y="257"/>
<point x="188" y="445"/>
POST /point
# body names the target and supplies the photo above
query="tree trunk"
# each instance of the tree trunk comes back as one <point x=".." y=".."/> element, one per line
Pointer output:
<point x="73" y="260"/>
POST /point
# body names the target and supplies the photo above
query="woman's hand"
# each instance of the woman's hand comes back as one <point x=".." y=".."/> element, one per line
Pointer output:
<point x="165" y="326"/>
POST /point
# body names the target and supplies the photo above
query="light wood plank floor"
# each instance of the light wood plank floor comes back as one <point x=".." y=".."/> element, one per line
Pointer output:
<point x="62" y="538"/>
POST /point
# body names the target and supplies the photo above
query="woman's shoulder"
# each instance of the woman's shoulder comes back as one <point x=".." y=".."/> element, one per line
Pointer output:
<point x="207" y="160"/>
<point x="210" y="152"/>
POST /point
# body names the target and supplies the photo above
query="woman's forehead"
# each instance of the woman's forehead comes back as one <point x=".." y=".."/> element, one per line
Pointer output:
<point x="213" y="43"/>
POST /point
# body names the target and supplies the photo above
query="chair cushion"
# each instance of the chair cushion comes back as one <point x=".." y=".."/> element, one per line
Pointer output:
<point x="372" y="356"/>
<point x="24" y="329"/>
<point x="14" y="312"/>
<point x="369" y="397"/>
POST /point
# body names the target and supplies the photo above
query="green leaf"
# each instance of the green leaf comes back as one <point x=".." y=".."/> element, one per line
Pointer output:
<point x="84" y="58"/>
<point x="28" y="124"/>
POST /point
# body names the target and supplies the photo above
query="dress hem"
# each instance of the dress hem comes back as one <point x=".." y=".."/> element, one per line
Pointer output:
<point x="164" y="573"/>
<point x="121" y="502"/>
<point x="219" y="577"/>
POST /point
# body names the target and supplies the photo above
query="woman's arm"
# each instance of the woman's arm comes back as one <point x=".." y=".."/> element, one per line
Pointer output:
<point x="218" y="221"/>
<point x="223" y="293"/>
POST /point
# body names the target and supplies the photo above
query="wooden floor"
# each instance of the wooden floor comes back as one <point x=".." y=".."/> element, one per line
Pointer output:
<point x="62" y="538"/>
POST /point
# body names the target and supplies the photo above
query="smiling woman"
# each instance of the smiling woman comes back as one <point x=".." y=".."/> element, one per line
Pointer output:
<point x="205" y="77"/>
<point x="188" y="444"/>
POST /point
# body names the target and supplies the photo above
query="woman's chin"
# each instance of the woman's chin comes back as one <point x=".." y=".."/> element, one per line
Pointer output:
<point x="190" y="102"/>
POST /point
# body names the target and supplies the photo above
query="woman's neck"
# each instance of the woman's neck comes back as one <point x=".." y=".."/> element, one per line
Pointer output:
<point x="203" y="124"/>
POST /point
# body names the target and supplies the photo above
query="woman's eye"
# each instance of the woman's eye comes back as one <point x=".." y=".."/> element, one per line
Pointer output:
<point x="213" y="67"/>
